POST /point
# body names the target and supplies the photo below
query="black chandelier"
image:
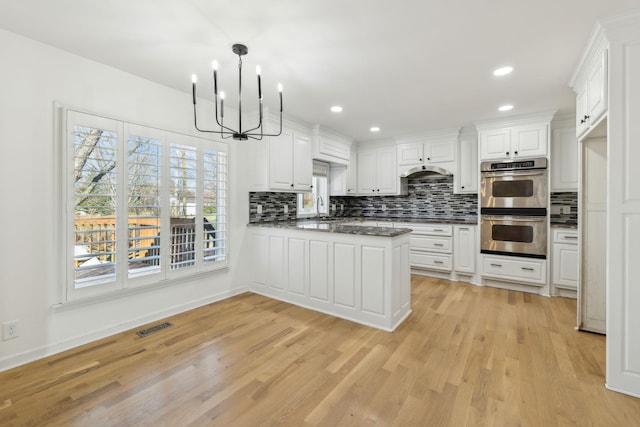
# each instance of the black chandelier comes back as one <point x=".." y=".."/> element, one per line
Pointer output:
<point x="226" y="132"/>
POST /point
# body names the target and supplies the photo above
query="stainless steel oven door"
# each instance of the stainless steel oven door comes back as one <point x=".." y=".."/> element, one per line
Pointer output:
<point x="514" y="189"/>
<point x="514" y="235"/>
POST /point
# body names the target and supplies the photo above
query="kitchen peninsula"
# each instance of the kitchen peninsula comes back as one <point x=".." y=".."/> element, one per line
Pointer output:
<point x="355" y="272"/>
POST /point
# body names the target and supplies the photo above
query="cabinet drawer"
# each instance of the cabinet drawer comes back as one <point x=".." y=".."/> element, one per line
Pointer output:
<point x="430" y="260"/>
<point x="431" y="229"/>
<point x="517" y="269"/>
<point x="430" y="243"/>
<point x="568" y="236"/>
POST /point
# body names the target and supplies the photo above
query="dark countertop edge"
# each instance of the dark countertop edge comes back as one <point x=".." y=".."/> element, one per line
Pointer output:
<point x="337" y="220"/>
<point x="355" y="230"/>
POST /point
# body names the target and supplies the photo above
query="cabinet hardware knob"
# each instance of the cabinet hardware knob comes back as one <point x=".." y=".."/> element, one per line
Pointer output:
<point x="527" y="268"/>
<point x="438" y="262"/>
<point x="496" y="265"/>
<point x="311" y="186"/>
<point x="378" y="189"/>
<point x="348" y="189"/>
<point x="292" y="185"/>
<point x="583" y="121"/>
<point x="515" y="153"/>
<point x="428" y="158"/>
<point x="420" y="160"/>
<point x="438" y="244"/>
<point x="373" y="191"/>
<point x="462" y="187"/>
<point x="586" y="117"/>
<point x="507" y="153"/>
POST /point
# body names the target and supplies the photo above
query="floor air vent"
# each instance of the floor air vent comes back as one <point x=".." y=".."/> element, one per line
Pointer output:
<point x="156" y="328"/>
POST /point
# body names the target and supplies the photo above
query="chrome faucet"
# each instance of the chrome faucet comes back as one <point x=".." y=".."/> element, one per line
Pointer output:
<point x="319" y="202"/>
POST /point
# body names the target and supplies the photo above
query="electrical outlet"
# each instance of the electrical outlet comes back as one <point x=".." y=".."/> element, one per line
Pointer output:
<point x="566" y="210"/>
<point x="384" y="207"/>
<point x="9" y="330"/>
<point x="259" y="209"/>
<point x="341" y="207"/>
<point x="333" y="207"/>
<point x="286" y="208"/>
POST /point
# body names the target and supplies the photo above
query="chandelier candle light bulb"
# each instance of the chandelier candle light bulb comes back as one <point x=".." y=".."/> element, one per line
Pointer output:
<point x="225" y="131"/>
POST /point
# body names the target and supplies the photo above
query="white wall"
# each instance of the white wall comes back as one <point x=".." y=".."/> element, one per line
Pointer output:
<point x="32" y="77"/>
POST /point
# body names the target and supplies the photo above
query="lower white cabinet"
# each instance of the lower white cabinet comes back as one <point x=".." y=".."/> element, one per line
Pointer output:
<point x="430" y="246"/>
<point x="515" y="269"/>
<point x="464" y="249"/>
<point x="565" y="259"/>
<point x="365" y="279"/>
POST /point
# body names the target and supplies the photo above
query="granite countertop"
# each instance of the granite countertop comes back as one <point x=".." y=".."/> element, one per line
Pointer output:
<point x="467" y="221"/>
<point x="334" y="226"/>
<point x="564" y="225"/>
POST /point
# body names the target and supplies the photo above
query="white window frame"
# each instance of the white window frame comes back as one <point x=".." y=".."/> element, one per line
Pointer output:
<point x="124" y="282"/>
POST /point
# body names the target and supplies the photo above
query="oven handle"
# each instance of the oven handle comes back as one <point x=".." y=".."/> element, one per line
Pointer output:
<point x="514" y="173"/>
<point x="515" y="218"/>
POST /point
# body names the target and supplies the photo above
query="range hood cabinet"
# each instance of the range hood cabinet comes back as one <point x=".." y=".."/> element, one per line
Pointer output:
<point x="425" y="170"/>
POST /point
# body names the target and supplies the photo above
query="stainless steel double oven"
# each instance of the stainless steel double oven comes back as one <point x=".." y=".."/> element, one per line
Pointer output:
<point x="514" y="199"/>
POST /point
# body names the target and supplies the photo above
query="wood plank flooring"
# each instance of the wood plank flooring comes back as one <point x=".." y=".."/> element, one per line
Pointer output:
<point x="467" y="356"/>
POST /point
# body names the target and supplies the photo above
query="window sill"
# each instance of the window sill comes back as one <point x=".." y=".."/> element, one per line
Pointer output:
<point x="122" y="293"/>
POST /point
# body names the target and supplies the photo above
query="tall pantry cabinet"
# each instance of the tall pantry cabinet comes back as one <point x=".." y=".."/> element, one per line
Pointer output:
<point x="612" y="55"/>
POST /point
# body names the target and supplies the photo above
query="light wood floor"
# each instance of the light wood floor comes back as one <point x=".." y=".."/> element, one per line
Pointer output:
<point x="466" y="356"/>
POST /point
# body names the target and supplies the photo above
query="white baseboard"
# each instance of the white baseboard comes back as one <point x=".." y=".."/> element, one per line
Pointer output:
<point x="48" y="350"/>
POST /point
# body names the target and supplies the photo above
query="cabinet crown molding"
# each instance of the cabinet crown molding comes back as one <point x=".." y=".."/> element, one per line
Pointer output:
<point x="596" y="43"/>
<point x="429" y="136"/>
<point x="518" y="120"/>
<point x="322" y="132"/>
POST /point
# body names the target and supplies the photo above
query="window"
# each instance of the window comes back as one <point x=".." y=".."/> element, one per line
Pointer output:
<point x="143" y="205"/>
<point x="316" y="202"/>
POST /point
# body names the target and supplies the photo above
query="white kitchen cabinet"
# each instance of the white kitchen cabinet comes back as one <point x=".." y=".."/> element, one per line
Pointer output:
<point x="592" y="94"/>
<point x="331" y="147"/>
<point x="436" y="149"/>
<point x="281" y="163"/>
<point x="514" y="142"/>
<point x="377" y="171"/>
<point x="430" y="246"/>
<point x="465" y="181"/>
<point x="515" y="269"/>
<point x="290" y="163"/>
<point x="365" y="279"/>
<point x="565" y="258"/>
<point x="344" y="178"/>
<point x="564" y="159"/>
<point x="464" y="249"/>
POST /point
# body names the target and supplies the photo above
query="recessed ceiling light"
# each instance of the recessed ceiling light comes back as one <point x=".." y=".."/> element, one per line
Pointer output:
<point x="503" y="71"/>
<point x="374" y="129"/>
<point x="505" y="107"/>
<point x="336" y="109"/>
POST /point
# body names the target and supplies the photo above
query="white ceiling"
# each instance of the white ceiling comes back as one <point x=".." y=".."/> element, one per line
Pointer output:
<point x="407" y="66"/>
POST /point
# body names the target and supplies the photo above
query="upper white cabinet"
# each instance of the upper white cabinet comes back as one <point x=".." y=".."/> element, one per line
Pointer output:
<point x="466" y="178"/>
<point x="344" y="178"/>
<point x="564" y="157"/>
<point x="290" y="163"/>
<point x="377" y="171"/>
<point x="281" y="163"/>
<point x="592" y="92"/>
<point x="519" y="137"/>
<point x="330" y="146"/>
<point x="433" y="149"/>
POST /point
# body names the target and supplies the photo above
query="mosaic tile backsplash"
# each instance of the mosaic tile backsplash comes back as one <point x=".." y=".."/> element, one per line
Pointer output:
<point x="430" y="197"/>
<point x="565" y="199"/>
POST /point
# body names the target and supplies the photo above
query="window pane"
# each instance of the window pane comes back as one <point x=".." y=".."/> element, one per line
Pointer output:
<point x="183" y="187"/>
<point x="214" y="196"/>
<point x="143" y="205"/>
<point x="95" y="173"/>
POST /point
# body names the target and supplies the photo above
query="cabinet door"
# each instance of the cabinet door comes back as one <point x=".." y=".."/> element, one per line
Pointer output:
<point x="495" y="144"/>
<point x="281" y="162"/>
<point x="366" y="172"/>
<point x="529" y="140"/>
<point x="466" y="180"/>
<point x="352" y="175"/>
<point x="410" y="154"/>
<point x="302" y="163"/>
<point x="582" y="120"/>
<point x="338" y="181"/>
<point x="440" y="151"/>
<point x="565" y="265"/>
<point x="464" y="252"/>
<point x="258" y="165"/>
<point x="564" y="160"/>
<point x="597" y="90"/>
<point x="386" y="171"/>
